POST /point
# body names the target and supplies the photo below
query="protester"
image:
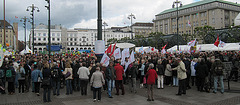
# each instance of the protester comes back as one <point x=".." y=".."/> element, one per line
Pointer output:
<point x="97" y="81"/>
<point x="83" y="73"/>
<point x="182" y="75"/>
<point x="151" y="78"/>
<point x="68" y="77"/>
<point x="56" y="75"/>
<point x="133" y="75"/>
<point x="46" y="82"/>
<point x="160" y="73"/>
<point x="217" y="71"/>
<point x="119" y="78"/>
<point x="10" y="76"/>
<point x="110" y="78"/>
<point x="36" y="78"/>
<point x="21" y="78"/>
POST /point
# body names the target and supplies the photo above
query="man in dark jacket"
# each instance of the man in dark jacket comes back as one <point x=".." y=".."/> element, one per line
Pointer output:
<point x="133" y="73"/>
<point x="187" y="63"/>
<point x="56" y="78"/>
<point x="10" y="75"/>
<point x="76" y="81"/>
<point x="28" y="71"/>
<point x="110" y="77"/>
<point x="201" y="73"/>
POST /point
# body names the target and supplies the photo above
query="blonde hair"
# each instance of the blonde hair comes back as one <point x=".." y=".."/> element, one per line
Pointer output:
<point x="68" y="65"/>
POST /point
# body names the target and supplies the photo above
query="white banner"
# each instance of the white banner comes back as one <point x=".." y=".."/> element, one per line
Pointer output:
<point x="117" y="53"/>
<point x="131" y="59"/>
<point x="105" y="59"/>
<point x="99" y="47"/>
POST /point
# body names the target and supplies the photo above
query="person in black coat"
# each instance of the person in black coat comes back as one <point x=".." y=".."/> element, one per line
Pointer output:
<point x="187" y="63"/>
<point x="11" y="79"/>
<point x="56" y="75"/>
<point x="46" y="84"/>
<point x="76" y="81"/>
<point x="201" y="73"/>
<point x="160" y="72"/>
<point x="28" y="73"/>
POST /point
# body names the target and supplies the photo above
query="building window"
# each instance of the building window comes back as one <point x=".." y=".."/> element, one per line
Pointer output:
<point x="44" y="39"/>
<point x="35" y="39"/>
<point x="39" y="39"/>
<point x="39" y="34"/>
<point x="58" y="39"/>
<point x="213" y="20"/>
<point x="58" y="34"/>
<point x="80" y="39"/>
<point x="75" y="39"/>
<point x="205" y="21"/>
<point x="44" y="34"/>
<point x="70" y="39"/>
<point x="53" y="34"/>
<point x="213" y="12"/>
<point x="53" y="39"/>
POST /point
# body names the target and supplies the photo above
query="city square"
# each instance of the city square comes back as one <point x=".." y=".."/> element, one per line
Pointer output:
<point x="178" y="52"/>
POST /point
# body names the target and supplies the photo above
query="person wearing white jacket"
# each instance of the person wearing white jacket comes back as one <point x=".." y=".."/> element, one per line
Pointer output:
<point x="193" y="71"/>
<point x="83" y="73"/>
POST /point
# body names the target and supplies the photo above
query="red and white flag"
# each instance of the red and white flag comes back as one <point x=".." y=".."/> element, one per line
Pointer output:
<point x="109" y="49"/>
<point x="105" y="59"/>
<point x="192" y="43"/>
<point x="113" y="49"/>
<point x="163" y="49"/>
<point x="131" y="58"/>
<point x="217" y="41"/>
<point x="16" y="17"/>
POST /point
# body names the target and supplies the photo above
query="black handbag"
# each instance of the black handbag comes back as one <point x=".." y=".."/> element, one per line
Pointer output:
<point x="46" y="81"/>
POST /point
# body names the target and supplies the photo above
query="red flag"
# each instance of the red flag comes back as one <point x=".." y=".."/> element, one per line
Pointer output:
<point x="16" y="17"/>
<point x="152" y="48"/>
<point x="217" y="41"/>
<point x="109" y="49"/>
<point x="164" y="47"/>
<point x="113" y="49"/>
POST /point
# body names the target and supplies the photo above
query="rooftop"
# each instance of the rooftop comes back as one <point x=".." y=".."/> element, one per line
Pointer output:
<point x="196" y="4"/>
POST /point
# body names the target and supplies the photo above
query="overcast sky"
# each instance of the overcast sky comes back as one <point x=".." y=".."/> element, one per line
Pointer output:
<point x="83" y="13"/>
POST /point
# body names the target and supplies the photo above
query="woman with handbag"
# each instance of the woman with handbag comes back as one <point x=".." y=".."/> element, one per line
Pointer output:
<point x="36" y="77"/>
<point x="46" y="84"/>
<point x="68" y="77"/>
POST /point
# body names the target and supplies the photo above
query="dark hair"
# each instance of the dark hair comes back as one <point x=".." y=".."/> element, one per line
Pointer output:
<point x="84" y="64"/>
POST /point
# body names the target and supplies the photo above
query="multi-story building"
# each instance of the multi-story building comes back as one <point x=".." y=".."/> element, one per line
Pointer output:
<point x="142" y="28"/>
<point x="11" y="34"/>
<point x="216" y="13"/>
<point x="72" y="39"/>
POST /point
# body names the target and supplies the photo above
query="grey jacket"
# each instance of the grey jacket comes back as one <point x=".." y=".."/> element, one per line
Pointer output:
<point x="97" y="79"/>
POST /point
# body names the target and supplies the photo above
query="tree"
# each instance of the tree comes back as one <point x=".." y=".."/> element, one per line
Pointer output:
<point x="202" y="32"/>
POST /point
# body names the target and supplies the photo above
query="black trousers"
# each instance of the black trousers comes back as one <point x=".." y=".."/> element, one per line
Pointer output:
<point x="95" y="90"/>
<point x="83" y="84"/>
<point x="36" y="87"/>
<point x="182" y="86"/>
<point x="201" y="82"/>
<point x="193" y="79"/>
<point x="168" y="80"/>
<point x="119" y="83"/>
<point x="21" y="85"/>
<point x="46" y="94"/>
<point x="11" y="88"/>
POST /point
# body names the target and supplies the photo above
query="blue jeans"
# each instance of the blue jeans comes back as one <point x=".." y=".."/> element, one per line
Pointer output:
<point x="175" y="81"/>
<point x="56" y="86"/>
<point x="111" y="84"/>
<point x="220" y="78"/>
<point x="69" y="86"/>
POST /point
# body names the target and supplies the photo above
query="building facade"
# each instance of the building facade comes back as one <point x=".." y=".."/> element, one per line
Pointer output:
<point x="216" y="13"/>
<point x="11" y="34"/>
<point x="72" y="39"/>
<point x="142" y="28"/>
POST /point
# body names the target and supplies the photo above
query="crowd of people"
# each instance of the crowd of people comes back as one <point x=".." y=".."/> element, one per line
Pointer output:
<point x="31" y="72"/>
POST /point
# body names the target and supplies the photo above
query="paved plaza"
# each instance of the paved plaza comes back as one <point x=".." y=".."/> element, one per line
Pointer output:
<point x="164" y="96"/>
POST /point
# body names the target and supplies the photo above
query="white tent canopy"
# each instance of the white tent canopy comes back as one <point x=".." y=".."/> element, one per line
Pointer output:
<point x="25" y="51"/>
<point x="237" y="20"/>
<point x="208" y="47"/>
<point x="125" y="45"/>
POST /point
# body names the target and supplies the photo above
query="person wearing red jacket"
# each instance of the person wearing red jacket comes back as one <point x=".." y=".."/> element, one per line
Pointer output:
<point x="151" y="78"/>
<point x="119" y="77"/>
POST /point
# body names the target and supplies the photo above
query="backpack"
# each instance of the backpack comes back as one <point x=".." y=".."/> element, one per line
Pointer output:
<point x="55" y="73"/>
<point x="9" y="73"/>
<point x="219" y="70"/>
<point x="2" y="73"/>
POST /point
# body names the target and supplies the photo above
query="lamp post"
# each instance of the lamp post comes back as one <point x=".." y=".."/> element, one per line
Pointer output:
<point x="99" y="20"/>
<point x="130" y="17"/>
<point x="104" y="25"/>
<point x="177" y="2"/>
<point x="32" y="14"/>
<point x="24" y="20"/>
<point x="4" y="25"/>
<point x="49" y="30"/>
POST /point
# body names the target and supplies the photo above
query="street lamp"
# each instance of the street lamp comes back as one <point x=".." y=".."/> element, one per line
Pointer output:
<point x="177" y="2"/>
<point x="104" y="25"/>
<point x="130" y="17"/>
<point x="49" y="30"/>
<point x="24" y="20"/>
<point x="32" y="14"/>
